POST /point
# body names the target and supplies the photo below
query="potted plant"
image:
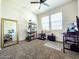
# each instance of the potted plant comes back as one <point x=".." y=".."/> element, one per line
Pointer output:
<point x="28" y="38"/>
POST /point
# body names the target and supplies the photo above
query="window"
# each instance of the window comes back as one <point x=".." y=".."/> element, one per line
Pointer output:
<point x="45" y="23"/>
<point x="56" y="21"/>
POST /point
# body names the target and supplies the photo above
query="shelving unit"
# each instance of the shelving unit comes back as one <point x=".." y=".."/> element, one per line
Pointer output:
<point x="31" y="33"/>
<point x="67" y="40"/>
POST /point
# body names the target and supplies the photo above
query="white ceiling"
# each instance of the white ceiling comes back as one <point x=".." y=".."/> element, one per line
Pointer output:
<point x="25" y="4"/>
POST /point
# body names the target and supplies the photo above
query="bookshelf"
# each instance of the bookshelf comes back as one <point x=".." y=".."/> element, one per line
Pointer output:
<point x="31" y="33"/>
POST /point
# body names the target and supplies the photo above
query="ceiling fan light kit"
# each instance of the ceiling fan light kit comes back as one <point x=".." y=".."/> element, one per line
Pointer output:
<point x="40" y="2"/>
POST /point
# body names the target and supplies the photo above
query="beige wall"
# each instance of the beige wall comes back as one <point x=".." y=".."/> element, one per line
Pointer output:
<point x="0" y="24"/>
<point x="78" y="7"/>
<point x="69" y="15"/>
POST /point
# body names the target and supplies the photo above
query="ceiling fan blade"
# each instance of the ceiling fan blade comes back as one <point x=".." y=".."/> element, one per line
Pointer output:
<point x="42" y="1"/>
<point x="46" y="4"/>
<point x="34" y="2"/>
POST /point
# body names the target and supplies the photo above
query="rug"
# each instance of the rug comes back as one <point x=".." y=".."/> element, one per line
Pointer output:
<point x="54" y="45"/>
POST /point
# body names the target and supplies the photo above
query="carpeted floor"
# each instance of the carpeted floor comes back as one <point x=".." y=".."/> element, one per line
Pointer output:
<point x="35" y="50"/>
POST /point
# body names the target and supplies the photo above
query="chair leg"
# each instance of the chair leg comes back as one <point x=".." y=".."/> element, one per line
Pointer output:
<point x="63" y="45"/>
<point x="63" y="50"/>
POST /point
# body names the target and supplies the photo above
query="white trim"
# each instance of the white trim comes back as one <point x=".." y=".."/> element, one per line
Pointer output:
<point x="0" y="49"/>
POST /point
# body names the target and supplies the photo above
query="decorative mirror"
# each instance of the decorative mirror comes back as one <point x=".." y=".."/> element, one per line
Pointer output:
<point x="9" y="32"/>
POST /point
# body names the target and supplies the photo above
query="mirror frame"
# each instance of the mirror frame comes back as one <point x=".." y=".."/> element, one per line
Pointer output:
<point x="2" y="32"/>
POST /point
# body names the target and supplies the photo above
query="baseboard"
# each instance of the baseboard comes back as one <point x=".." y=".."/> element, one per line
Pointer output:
<point x="59" y="41"/>
<point x="0" y="49"/>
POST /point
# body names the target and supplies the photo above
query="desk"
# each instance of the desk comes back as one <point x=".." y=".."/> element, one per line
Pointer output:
<point x="42" y="36"/>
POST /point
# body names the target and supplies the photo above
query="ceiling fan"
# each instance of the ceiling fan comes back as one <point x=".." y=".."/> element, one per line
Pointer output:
<point x="40" y="2"/>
